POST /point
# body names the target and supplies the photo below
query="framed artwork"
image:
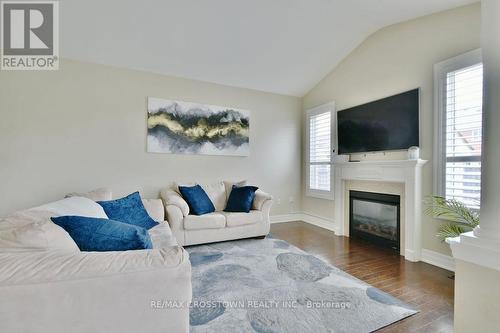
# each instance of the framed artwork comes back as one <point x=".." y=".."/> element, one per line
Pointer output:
<point x="176" y="127"/>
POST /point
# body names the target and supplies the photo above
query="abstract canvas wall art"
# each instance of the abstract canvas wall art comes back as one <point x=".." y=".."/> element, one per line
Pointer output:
<point x="178" y="127"/>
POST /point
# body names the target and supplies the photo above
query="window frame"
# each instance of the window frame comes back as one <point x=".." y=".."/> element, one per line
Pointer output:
<point x="441" y="70"/>
<point x="324" y="108"/>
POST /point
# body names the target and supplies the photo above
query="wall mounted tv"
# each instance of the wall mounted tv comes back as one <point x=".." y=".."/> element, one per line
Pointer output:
<point x="391" y="123"/>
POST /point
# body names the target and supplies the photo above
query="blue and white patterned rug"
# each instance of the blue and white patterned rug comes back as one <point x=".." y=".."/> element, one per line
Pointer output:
<point x="270" y="286"/>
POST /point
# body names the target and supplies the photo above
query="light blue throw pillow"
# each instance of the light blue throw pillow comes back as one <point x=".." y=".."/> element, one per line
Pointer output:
<point x="96" y="234"/>
<point x="130" y="210"/>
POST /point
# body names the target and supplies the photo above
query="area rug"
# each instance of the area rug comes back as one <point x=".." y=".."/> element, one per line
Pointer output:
<point x="270" y="286"/>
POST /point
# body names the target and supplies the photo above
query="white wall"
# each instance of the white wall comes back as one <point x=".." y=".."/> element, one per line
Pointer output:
<point x="477" y="288"/>
<point x="477" y="294"/>
<point x="84" y="126"/>
<point x="393" y="60"/>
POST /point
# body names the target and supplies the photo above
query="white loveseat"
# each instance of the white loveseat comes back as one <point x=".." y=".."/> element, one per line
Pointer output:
<point x="218" y="226"/>
<point x="48" y="285"/>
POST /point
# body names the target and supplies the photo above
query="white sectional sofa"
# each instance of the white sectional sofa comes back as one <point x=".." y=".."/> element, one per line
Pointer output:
<point x="218" y="226"/>
<point x="48" y="285"/>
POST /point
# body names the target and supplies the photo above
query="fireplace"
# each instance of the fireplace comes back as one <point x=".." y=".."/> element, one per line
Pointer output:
<point x="375" y="217"/>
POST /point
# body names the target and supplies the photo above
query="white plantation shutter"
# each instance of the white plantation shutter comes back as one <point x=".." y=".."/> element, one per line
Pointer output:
<point x="464" y="104"/>
<point x="462" y="132"/>
<point x="319" y="131"/>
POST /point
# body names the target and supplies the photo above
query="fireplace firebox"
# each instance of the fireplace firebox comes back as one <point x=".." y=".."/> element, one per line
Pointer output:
<point x="375" y="217"/>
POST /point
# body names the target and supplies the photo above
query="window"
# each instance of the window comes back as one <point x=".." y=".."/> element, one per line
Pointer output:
<point x="459" y="102"/>
<point x="319" y="129"/>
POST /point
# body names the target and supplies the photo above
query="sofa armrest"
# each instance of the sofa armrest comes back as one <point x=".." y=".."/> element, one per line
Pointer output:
<point x="83" y="292"/>
<point x="53" y="266"/>
<point x="175" y="218"/>
<point x="172" y="198"/>
<point x="260" y="198"/>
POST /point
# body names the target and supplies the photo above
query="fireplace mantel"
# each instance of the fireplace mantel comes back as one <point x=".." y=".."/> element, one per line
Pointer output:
<point x="408" y="172"/>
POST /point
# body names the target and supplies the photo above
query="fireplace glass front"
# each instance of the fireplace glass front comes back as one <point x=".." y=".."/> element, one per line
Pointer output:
<point x="375" y="217"/>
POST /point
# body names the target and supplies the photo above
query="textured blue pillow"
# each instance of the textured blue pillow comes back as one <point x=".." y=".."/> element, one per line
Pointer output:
<point x="241" y="199"/>
<point x="197" y="199"/>
<point x="128" y="210"/>
<point x="95" y="234"/>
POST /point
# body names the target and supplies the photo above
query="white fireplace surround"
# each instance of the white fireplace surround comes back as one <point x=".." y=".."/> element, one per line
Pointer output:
<point x="407" y="172"/>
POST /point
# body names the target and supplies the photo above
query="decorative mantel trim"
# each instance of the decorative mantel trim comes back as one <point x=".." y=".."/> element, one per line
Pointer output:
<point x="408" y="172"/>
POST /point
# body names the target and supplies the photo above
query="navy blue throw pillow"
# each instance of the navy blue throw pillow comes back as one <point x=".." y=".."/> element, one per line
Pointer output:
<point x="241" y="199"/>
<point x="128" y="210"/>
<point x="197" y="199"/>
<point x="95" y="234"/>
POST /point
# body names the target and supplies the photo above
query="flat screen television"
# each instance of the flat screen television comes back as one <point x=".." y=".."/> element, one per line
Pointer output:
<point x="390" y="123"/>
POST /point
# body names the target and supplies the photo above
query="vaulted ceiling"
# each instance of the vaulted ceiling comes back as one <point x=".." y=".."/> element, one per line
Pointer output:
<point x="280" y="46"/>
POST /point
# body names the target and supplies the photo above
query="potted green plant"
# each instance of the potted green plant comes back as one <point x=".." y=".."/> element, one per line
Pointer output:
<point x="460" y="218"/>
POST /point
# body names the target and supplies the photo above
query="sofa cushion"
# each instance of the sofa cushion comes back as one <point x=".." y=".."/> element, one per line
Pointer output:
<point x="40" y="235"/>
<point x="155" y="209"/>
<point x="207" y="221"/>
<point x="100" y="194"/>
<point x="197" y="199"/>
<point x="92" y="234"/>
<point x="217" y="194"/>
<point x="74" y="206"/>
<point x="216" y="191"/>
<point x="239" y="219"/>
<point x="241" y="199"/>
<point x="228" y="185"/>
<point x="130" y="210"/>
<point x="161" y="236"/>
<point x="25" y="217"/>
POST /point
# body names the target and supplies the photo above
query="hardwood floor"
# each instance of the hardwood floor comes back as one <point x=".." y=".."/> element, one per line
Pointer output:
<point x="426" y="287"/>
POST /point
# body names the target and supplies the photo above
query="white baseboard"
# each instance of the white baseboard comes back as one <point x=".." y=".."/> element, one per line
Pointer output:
<point x="286" y="218"/>
<point x="428" y="256"/>
<point x="438" y="259"/>
<point x="320" y="222"/>
<point x="307" y="218"/>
